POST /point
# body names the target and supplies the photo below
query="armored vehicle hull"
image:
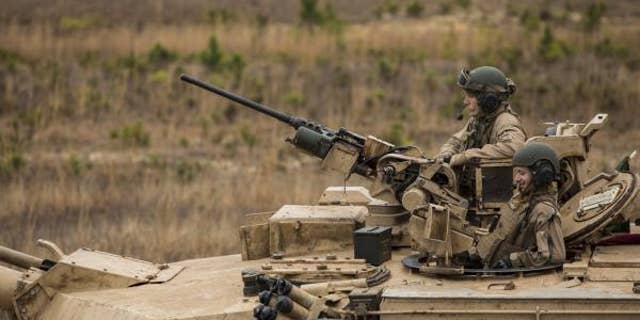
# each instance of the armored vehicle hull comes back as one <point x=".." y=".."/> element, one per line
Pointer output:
<point x="212" y="288"/>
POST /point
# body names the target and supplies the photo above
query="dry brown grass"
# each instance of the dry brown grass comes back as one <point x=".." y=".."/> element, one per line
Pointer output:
<point x="70" y="174"/>
<point x="144" y="212"/>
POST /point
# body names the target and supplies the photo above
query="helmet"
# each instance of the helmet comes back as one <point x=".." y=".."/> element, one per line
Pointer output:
<point x="541" y="160"/>
<point x="488" y="84"/>
<point x="486" y="79"/>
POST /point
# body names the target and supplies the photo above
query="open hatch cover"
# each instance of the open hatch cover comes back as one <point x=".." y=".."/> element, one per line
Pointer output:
<point x="603" y="198"/>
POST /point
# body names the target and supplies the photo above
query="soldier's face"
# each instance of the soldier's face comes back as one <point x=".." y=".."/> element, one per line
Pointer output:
<point x="471" y="104"/>
<point x="522" y="178"/>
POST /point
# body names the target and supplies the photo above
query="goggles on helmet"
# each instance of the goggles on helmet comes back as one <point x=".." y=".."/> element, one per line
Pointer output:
<point x="463" y="77"/>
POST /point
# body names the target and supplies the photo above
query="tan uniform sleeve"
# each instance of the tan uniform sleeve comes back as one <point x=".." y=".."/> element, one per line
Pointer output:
<point x="549" y="246"/>
<point x="509" y="137"/>
<point x="456" y="143"/>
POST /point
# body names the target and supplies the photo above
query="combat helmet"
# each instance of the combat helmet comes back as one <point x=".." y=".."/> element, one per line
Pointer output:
<point x="488" y="84"/>
<point x="540" y="159"/>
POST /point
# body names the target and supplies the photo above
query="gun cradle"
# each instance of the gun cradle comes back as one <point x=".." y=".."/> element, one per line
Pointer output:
<point x="341" y="158"/>
<point x="347" y="158"/>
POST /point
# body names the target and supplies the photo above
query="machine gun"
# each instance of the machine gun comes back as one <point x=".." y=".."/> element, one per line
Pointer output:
<point x="342" y="150"/>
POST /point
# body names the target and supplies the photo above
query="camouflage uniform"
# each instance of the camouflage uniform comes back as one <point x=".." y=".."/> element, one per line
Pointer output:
<point x="495" y="132"/>
<point x="537" y="238"/>
<point x="494" y="136"/>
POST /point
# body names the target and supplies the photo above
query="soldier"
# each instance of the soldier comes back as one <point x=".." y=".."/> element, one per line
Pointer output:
<point x="493" y="131"/>
<point x="536" y="238"/>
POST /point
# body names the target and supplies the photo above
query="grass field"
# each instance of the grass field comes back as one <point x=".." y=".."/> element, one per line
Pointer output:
<point x="102" y="146"/>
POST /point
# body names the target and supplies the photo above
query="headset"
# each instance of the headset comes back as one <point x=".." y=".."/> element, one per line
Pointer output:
<point x="543" y="173"/>
<point x="488" y="102"/>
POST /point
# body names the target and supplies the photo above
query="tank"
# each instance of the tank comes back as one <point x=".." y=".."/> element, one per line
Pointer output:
<point x="385" y="251"/>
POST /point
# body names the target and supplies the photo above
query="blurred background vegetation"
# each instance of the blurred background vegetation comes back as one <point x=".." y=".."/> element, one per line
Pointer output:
<point x="102" y="146"/>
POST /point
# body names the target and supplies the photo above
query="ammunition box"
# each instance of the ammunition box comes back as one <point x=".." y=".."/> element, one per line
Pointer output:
<point x="372" y="243"/>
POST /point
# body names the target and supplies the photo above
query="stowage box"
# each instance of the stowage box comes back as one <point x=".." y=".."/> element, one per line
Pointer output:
<point x="372" y="243"/>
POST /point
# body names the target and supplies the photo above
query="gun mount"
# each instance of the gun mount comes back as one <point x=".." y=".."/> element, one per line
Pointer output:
<point x="398" y="172"/>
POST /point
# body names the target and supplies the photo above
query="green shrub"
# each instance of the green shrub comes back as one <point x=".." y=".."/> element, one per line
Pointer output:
<point x="159" y="55"/>
<point x="330" y="20"/>
<point x="545" y="14"/>
<point x="78" y="166"/>
<point x="235" y="64"/>
<point x="551" y="49"/>
<point x="414" y="9"/>
<point x="160" y="76"/>
<point x="220" y="15"/>
<point x="261" y="21"/>
<point x="608" y="49"/>
<point x="376" y="96"/>
<point x="10" y="59"/>
<point x="310" y="14"/>
<point x="131" y="62"/>
<point x="389" y="7"/>
<point x="386" y="68"/>
<point x="530" y="21"/>
<point x="464" y="4"/>
<point x="132" y="135"/>
<point x="216" y="60"/>
<point x="12" y="163"/>
<point x="247" y="136"/>
<point x="184" y="142"/>
<point x="445" y="8"/>
<point x="30" y="119"/>
<point x="67" y="23"/>
<point x="16" y="161"/>
<point x="187" y="171"/>
<point x="396" y="135"/>
<point x="293" y="98"/>
<point x="593" y="16"/>
<point x="155" y="161"/>
<point x="211" y="57"/>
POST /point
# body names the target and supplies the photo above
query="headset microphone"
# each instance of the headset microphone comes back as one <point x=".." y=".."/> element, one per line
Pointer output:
<point x="460" y="113"/>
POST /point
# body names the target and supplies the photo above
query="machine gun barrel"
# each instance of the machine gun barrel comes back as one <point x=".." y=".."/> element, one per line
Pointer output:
<point x="350" y="154"/>
<point x="295" y="122"/>
<point x="23" y="260"/>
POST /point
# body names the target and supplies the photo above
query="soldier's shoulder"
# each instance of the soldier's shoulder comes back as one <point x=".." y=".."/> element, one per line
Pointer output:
<point x="545" y="206"/>
<point x="508" y="120"/>
<point x="508" y="116"/>
<point x="544" y="211"/>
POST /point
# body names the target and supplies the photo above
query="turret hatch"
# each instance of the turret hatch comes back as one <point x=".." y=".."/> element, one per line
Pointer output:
<point x="596" y="206"/>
